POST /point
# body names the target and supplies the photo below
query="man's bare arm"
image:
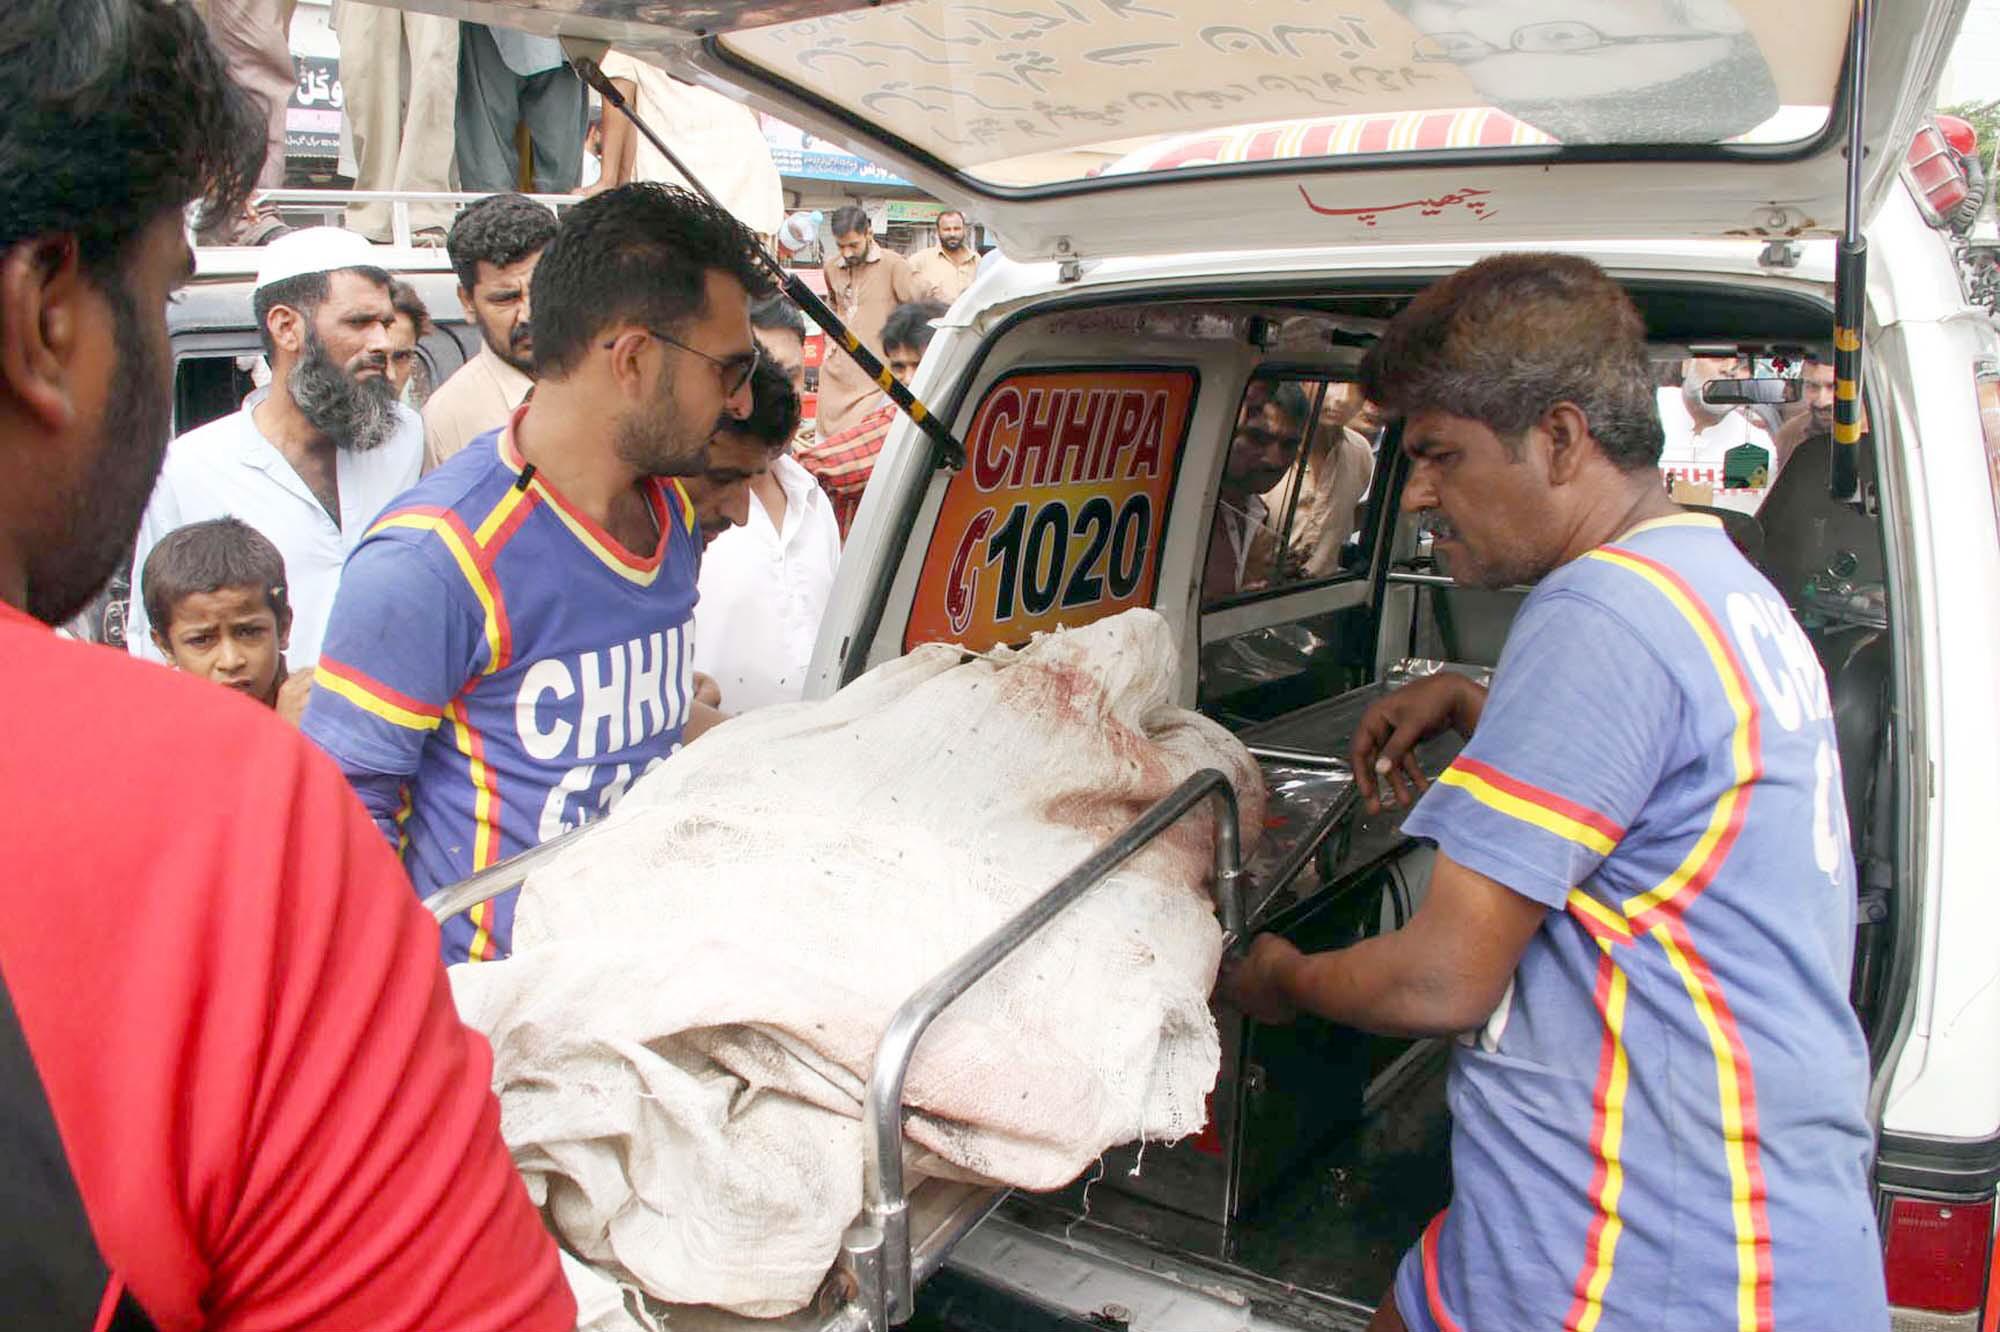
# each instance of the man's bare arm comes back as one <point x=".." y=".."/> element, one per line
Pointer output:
<point x="1444" y="972"/>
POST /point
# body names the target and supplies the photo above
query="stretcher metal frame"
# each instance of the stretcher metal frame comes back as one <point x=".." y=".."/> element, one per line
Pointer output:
<point x="880" y="1264"/>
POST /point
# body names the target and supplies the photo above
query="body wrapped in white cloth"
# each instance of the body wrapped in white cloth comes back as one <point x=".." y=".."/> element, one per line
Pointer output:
<point x="682" y="1036"/>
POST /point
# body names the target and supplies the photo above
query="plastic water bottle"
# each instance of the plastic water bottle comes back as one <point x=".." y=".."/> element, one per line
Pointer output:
<point x="799" y="230"/>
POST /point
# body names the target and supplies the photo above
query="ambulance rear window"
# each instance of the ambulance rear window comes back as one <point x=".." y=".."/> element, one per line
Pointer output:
<point x="1283" y="619"/>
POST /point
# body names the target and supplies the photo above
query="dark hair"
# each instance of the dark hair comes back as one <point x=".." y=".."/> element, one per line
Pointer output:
<point x="111" y="113"/>
<point x="304" y="293"/>
<point x="1289" y="397"/>
<point x="909" y="324"/>
<point x="776" y="312"/>
<point x="958" y="213"/>
<point x="501" y="229"/>
<point x="404" y="297"/>
<point x="207" y="557"/>
<point x="774" y="409"/>
<point x="849" y="220"/>
<point x="1505" y="340"/>
<point x="639" y="253"/>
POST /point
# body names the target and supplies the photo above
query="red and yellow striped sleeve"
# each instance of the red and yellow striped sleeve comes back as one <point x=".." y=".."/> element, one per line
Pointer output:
<point x="376" y="698"/>
<point x="1531" y="804"/>
<point x="1571" y="745"/>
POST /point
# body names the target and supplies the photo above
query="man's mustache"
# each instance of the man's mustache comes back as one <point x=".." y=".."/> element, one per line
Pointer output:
<point x="522" y="333"/>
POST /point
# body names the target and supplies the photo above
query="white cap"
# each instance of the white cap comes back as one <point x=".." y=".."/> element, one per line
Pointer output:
<point x="315" y="250"/>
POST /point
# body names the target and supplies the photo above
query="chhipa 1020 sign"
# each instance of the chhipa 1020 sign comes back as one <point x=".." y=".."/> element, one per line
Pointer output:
<point x="1059" y="514"/>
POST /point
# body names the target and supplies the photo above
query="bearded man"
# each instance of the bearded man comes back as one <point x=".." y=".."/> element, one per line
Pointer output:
<point x="310" y="461"/>
<point x="513" y="645"/>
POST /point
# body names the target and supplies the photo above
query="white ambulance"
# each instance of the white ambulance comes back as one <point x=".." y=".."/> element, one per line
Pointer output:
<point x="1212" y="204"/>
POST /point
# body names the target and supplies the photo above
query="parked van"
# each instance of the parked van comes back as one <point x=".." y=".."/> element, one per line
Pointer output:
<point x="1328" y="164"/>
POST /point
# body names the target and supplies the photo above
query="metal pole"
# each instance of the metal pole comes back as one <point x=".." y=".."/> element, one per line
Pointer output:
<point x="1850" y="280"/>
<point x="800" y="294"/>
<point x="886" y="1207"/>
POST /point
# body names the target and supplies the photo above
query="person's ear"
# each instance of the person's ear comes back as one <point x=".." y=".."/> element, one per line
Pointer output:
<point x="288" y="329"/>
<point x="285" y="629"/>
<point x="627" y="360"/>
<point x="160" y="642"/>
<point x="1570" y="444"/>
<point x="465" y="303"/>
<point x="42" y="326"/>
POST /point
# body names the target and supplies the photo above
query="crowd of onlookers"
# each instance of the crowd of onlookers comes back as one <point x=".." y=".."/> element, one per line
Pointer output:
<point x="336" y="429"/>
<point x="272" y="553"/>
<point x="238" y="561"/>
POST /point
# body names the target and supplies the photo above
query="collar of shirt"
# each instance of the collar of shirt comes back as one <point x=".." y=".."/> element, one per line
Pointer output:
<point x="802" y="495"/>
<point x="510" y="381"/>
<point x="666" y="502"/>
<point x="1252" y="517"/>
<point x="366" y="479"/>
<point x="227" y="467"/>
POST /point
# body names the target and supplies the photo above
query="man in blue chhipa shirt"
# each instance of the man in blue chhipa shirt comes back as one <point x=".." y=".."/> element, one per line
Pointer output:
<point x="512" y="646"/>
<point x="1641" y="918"/>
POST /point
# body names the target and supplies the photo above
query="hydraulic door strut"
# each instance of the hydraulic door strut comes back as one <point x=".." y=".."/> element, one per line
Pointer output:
<point x="1850" y="278"/>
<point x="790" y="283"/>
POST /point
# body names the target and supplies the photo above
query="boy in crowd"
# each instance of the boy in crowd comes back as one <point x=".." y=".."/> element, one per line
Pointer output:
<point x="215" y="597"/>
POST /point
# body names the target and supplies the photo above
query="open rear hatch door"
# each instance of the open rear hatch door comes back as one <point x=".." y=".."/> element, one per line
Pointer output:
<point x="1089" y="128"/>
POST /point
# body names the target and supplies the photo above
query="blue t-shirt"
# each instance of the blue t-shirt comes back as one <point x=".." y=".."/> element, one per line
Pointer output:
<point x="498" y="670"/>
<point x="1664" y="1124"/>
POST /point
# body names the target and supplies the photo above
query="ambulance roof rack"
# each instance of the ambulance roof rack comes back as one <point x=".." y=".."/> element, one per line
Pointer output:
<point x="329" y="208"/>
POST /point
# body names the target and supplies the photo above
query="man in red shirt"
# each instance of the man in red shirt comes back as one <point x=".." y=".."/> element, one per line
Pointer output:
<point x="233" y="1090"/>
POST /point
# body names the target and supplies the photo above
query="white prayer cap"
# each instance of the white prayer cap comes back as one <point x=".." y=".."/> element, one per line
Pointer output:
<point x="315" y="250"/>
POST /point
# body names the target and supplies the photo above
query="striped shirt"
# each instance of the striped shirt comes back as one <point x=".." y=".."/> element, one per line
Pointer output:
<point x="499" y="670"/>
<point x="1663" y="1125"/>
<point x="843" y="463"/>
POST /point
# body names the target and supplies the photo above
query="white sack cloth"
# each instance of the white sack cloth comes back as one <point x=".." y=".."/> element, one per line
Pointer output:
<point x="682" y="1036"/>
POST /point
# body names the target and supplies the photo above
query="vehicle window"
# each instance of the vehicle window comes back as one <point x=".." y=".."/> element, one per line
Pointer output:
<point x="1290" y="516"/>
<point x="1059" y="515"/>
<point x="1295" y="482"/>
<point x="208" y="388"/>
<point x="1725" y="456"/>
<point x="1053" y="93"/>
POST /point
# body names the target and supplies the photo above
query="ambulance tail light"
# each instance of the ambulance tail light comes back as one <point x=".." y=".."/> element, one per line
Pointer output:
<point x="1958" y="134"/>
<point x="1934" y="177"/>
<point x="1937" y="1259"/>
